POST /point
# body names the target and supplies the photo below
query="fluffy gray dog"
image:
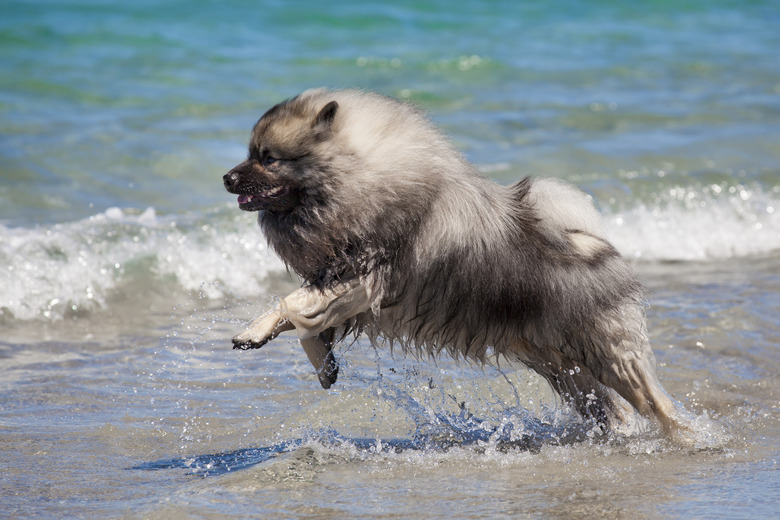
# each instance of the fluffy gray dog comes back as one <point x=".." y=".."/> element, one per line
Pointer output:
<point x="395" y="234"/>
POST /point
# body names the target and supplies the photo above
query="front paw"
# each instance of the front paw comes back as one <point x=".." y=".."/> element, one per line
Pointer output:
<point x="261" y="331"/>
<point x="242" y="342"/>
<point x="329" y="372"/>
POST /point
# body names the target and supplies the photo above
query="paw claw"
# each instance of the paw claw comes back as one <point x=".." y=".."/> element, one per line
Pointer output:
<point x="242" y="344"/>
<point x="328" y="377"/>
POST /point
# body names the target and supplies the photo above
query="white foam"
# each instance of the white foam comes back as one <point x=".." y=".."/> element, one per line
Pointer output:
<point x="692" y="227"/>
<point x="48" y="271"/>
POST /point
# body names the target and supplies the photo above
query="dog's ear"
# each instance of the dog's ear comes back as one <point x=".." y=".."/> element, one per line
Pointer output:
<point x="325" y="118"/>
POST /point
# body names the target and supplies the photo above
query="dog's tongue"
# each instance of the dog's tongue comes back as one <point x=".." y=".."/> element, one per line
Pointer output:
<point x="243" y="199"/>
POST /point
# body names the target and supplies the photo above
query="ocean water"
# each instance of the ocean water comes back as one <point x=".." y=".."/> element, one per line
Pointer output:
<point x="125" y="267"/>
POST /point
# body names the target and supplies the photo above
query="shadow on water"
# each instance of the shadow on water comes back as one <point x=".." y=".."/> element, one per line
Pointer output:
<point x="498" y="425"/>
<point x="440" y="434"/>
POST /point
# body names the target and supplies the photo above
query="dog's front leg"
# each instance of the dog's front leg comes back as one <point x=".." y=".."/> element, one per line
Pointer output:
<point x="313" y="313"/>
<point x="262" y="330"/>
<point x="319" y="350"/>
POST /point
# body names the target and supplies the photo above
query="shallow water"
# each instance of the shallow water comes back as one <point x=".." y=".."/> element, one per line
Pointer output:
<point x="125" y="268"/>
<point x="176" y="424"/>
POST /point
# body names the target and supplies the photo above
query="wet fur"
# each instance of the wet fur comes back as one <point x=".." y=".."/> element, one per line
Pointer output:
<point x="395" y="234"/>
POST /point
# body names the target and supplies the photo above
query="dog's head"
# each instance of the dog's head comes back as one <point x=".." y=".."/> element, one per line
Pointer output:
<point x="283" y="165"/>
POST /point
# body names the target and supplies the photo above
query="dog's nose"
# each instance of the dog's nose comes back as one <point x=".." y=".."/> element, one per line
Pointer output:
<point x="230" y="179"/>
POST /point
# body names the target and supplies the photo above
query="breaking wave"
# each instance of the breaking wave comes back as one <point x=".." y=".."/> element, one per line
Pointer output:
<point x="51" y="271"/>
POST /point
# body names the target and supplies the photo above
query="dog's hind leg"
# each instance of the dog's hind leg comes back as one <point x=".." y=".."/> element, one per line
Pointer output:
<point x="580" y="389"/>
<point x="634" y="378"/>
<point x="625" y="363"/>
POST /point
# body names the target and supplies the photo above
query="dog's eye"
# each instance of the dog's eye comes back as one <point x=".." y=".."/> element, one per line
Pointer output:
<point x="268" y="160"/>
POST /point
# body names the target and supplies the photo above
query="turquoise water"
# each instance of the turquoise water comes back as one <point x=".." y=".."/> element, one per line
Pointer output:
<point x="125" y="267"/>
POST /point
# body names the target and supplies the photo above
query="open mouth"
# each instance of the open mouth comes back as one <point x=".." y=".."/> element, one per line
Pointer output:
<point x="262" y="199"/>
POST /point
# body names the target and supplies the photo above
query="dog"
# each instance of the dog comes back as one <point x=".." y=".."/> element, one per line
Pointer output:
<point x="396" y="235"/>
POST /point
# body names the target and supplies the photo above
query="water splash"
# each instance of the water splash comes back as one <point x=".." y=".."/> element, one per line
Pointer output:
<point x="441" y="423"/>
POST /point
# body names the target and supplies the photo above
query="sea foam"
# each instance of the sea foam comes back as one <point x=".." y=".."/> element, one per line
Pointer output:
<point x="49" y="271"/>
<point x="697" y="225"/>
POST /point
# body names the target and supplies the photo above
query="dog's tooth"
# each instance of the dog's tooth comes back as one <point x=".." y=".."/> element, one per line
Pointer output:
<point x="272" y="192"/>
